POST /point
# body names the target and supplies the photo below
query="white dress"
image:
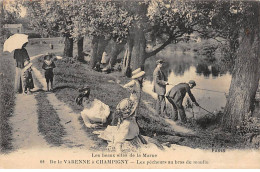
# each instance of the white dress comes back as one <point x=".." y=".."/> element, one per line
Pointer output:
<point x="128" y="128"/>
<point x="98" y="112"/>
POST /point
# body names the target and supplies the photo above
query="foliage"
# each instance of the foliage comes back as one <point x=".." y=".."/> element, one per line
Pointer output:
<point x="7" y="101"/>
<point x="9" y="12"/>
<point x="173" y="18"/>
<point x="6" y="17"/>
<point x="4" y="34"/>
<point x="51" y="17"/>
<point x="250" y="130"/>
<point x="101" y="18"/>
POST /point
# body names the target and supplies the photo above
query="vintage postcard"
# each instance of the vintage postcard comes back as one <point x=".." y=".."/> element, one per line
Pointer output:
<point x="147" y="84"/>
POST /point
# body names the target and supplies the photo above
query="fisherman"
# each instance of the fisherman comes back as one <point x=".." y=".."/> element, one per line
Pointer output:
<point x="175" y="97"/>
<point x="159" y="81"/>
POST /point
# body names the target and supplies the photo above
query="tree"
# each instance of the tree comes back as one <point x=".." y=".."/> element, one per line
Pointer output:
<point x="101" y="21"/>
<point x="245" y="76"/>
<point x="51" y="17"/>
<point x="166" y="21"/>
<point x="238" y="24"/>
<point x="7" y="16"/>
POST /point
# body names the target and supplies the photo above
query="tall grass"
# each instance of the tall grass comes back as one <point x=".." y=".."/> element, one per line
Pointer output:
<point x="7" y="99"/>
<point x="69" y="77"/>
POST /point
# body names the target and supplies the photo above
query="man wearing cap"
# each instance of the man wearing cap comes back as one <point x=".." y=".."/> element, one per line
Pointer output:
<point x="159" y="81"/>
<point x="176" y="95"/>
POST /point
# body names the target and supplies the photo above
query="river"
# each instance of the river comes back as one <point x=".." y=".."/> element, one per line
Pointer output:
<point x="183" y="66"/>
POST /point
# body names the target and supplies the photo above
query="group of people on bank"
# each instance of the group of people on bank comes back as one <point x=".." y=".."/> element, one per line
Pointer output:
<point x="123" y="126"/>
<point x="24" y="78"/>
<point x="175" y="95"/>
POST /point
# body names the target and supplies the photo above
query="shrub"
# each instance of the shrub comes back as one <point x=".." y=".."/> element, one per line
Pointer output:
<point x="34" y="35"/>
<point x="250" y="130"/>
<point x="4" y="34"/>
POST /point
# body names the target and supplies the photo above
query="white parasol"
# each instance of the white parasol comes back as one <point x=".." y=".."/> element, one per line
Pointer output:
<point x="15" y="41"/>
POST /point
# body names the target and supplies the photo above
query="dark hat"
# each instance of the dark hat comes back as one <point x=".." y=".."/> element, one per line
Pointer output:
<point x="192" y="82"/>
<point x="84" y="92"/>
<point x="85" y="89"/>
<point x="160" y="61"/>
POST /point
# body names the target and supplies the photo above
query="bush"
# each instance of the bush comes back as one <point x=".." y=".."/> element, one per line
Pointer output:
<point x="4" y="34"/>
<point x="250" y="130"/>
<point x="209" y="120"/>
<point x="33" y="35"/>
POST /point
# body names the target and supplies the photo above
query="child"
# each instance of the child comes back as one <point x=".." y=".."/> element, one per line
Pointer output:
<point x="28" y="79"/>
<point x="48" y="66"/>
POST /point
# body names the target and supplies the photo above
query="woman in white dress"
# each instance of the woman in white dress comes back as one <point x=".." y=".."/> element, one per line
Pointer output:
<point x="126" y="110"/>
<point x="95" y="112"/>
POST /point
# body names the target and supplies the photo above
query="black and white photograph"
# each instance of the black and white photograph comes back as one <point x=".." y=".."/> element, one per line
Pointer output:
<point x="129" y="84"/>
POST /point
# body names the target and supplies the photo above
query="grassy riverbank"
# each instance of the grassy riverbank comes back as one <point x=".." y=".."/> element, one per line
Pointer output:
<point x="7" y="100"/>
<point x="71" y="75"/>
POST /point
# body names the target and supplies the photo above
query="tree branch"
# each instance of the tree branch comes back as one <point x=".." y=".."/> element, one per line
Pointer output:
<point x="152" y="53"/>
<point x="212" y="36"/>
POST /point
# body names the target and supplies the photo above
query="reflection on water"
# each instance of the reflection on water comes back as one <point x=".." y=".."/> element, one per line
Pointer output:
<point x="181" y="67"/>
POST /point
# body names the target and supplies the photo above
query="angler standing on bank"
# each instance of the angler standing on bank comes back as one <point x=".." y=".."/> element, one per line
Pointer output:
<point x="159" y="81"/>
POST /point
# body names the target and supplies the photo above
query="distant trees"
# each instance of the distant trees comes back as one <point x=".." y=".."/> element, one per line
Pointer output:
<point x="7" y="17"/>
<point x="52" y="17"/>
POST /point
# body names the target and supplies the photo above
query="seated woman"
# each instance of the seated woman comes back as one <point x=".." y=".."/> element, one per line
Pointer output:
<point x="95" y="112"/>
<point x="127" y="128"/>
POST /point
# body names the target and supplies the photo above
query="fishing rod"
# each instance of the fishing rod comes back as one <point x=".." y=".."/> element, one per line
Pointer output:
<point x="207" y="110"/>
<point x="207" y="90"/>
<point x="210" y="90"/>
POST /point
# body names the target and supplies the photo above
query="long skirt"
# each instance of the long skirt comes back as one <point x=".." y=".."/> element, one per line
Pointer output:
<point x="127" y="130"/>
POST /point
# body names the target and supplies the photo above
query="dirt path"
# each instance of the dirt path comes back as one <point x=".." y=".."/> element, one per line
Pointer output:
<point x="75" y="134"/>
<point x="25" y="124"/>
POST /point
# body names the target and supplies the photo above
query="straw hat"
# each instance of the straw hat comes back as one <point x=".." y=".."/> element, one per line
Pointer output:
<point x="138" y="75"/>
<point x="27" y="65"/>
<point x="126" y="107"/>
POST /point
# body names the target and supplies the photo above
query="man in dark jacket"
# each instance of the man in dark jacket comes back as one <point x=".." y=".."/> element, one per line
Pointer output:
<point x="176" y="95"/>
<point x="159" y="81"/>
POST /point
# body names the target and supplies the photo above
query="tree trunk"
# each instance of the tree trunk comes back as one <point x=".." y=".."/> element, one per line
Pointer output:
<point x="99" y="44"/>
<point x="94" y="49"/>
<point x="102" y="43"/>
<point x="138" y="54"/>
<point x="80" y="44"/>
<point x="68" y="48"/>
<point x="245" y="77"/>
<point x="126" y="70"/>
<point x="116" y="49"/>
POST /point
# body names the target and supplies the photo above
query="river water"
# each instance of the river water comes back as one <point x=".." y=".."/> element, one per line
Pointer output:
<point x="183" y="66"/>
